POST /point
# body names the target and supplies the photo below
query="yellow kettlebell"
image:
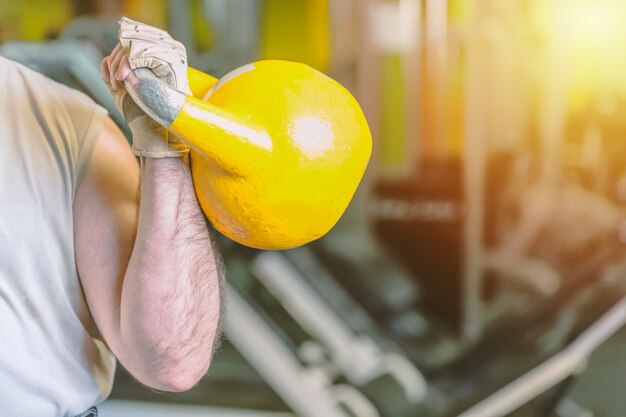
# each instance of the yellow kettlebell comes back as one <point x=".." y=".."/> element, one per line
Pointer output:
<point x="278" y="148"/>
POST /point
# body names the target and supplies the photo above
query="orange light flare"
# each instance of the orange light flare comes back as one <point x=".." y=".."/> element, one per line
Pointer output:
<point x="593" y="32"/>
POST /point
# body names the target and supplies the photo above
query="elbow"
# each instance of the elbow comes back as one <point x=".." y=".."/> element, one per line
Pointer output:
<point x="178" y="383"/>
<point x="178" y="380"/>
<point x="185" y="373"/>
<point x="167" y="369"/>
<point x="170" y="374"/>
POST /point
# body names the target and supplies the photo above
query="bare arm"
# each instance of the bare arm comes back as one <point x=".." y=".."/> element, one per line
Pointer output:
<point x="157" y="301"/>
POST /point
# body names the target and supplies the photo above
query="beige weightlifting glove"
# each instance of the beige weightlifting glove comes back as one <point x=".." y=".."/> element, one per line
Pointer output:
<point x="144" y="46"/>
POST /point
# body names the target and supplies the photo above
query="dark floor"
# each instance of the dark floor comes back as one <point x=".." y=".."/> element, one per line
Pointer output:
<point x="602" y="389"/>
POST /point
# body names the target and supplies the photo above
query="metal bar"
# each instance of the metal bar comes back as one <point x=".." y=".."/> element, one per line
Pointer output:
<point x="303" y="391"/>
<point x="287" y="285"/>
<point x="476" y="111"/>
<point x="359" y="358"/>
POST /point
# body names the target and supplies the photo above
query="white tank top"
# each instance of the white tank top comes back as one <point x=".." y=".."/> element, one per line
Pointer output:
<point x="53" y="361"/>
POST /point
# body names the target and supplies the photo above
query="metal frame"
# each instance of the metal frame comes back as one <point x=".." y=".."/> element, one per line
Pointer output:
<point x="359" y="358"/>
<point x="305" y="391"/>
<point x="569" y="362"/>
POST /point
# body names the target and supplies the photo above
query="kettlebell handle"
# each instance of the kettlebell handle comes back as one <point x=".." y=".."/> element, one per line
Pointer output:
<point x="228" y="139"/>
<point x="157" y="99"/>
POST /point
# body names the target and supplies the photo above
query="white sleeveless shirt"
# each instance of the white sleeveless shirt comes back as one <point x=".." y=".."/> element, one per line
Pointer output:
<point x="53" y="361"/>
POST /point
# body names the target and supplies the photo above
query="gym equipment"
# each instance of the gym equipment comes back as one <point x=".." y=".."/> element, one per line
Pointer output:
<point x="278" y="148"/>
<point x="311" y="342"/>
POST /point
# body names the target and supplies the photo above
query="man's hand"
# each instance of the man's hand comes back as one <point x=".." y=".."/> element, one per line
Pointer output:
<point x="144" y="46"/>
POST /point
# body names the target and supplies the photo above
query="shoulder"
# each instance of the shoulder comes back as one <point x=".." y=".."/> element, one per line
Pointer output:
<point x="59" y="124"/>
<point x="52" y="102"/>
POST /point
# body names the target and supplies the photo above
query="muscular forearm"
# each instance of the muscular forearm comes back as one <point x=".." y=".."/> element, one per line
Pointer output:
<point x="157" y="305"/>
<point x="170" y="298"/>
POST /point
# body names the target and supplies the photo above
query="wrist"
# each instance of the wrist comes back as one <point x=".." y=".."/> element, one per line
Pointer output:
<point x="158" y="164"/>
<point x="152" y="140"/>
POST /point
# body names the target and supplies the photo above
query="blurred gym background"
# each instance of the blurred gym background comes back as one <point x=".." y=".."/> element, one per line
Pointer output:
<point x="480" y="270"/>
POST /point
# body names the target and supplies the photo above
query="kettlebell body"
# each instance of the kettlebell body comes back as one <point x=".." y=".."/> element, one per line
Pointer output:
<point x="278" y="150"/>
